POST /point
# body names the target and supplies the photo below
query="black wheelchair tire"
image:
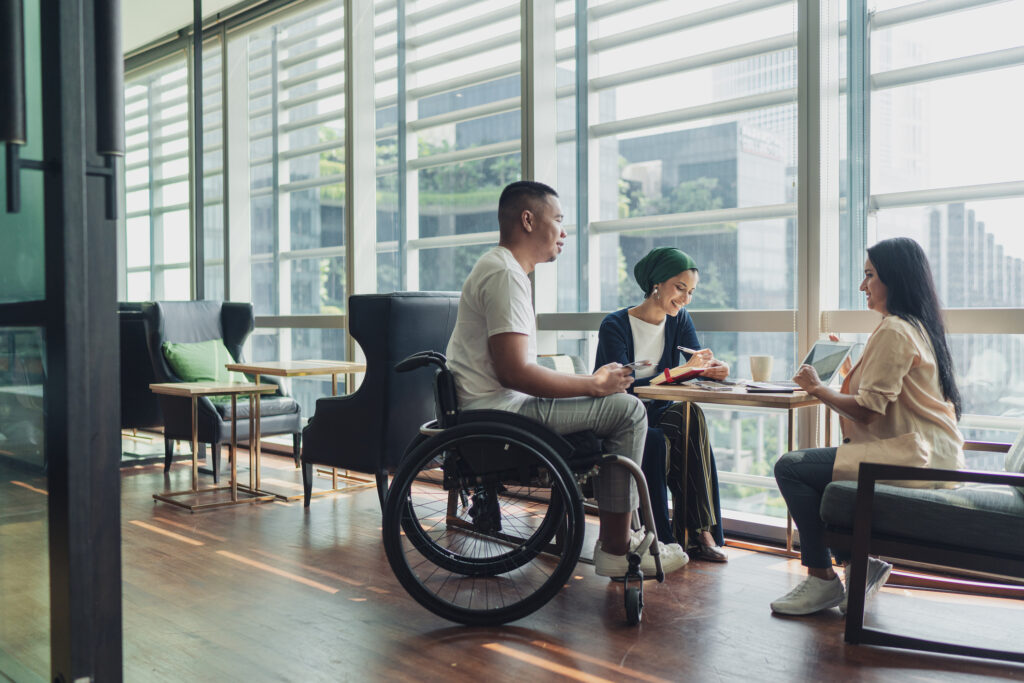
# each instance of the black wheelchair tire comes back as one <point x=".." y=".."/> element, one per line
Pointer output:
<point x="397" y="520"/>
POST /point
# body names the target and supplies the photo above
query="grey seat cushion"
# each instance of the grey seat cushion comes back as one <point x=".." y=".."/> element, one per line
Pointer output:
<point x="273" y="405"/>
<point x="982" y="517"/>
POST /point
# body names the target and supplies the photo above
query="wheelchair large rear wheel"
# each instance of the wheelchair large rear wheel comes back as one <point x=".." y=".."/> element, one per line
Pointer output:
<point x="469" y="519"/>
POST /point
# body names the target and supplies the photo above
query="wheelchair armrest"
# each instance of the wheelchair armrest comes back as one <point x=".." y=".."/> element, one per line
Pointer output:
<point x="421" y="359"/>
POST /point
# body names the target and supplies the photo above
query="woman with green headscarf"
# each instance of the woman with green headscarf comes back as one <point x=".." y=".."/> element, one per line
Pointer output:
<point x="653" y="331"/>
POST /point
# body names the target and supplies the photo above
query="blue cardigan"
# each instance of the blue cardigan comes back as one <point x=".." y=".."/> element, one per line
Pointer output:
<point x="615" y="345"/>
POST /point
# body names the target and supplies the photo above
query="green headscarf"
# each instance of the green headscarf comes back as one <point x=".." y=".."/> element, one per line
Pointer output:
<point x="659" y="265"/>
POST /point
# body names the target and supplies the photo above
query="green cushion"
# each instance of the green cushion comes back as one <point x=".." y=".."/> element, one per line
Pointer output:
<point x="201" y="361"/>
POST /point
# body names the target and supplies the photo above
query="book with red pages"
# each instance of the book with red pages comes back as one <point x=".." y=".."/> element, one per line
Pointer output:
<point x="676" y="375"/>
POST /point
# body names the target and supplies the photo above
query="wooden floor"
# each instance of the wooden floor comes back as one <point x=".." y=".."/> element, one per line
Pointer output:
<point x="276" y="592"/>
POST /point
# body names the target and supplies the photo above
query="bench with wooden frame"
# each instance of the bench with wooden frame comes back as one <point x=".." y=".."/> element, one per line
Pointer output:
<point x="868" y="517"/>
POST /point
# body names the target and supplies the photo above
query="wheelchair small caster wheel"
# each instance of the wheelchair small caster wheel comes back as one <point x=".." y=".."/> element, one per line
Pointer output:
<point x="634" y="605"/>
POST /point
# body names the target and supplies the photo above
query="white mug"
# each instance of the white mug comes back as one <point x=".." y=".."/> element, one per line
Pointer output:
<point x="761" y="368"/>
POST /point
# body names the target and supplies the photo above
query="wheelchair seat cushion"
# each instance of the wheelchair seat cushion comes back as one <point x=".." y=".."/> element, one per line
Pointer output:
<point x="579" y="450"/>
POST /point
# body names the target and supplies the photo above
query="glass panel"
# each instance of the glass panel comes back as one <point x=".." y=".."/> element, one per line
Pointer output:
<point x="463" y="197"/>
<point x="975" y="249"/>
<point x="157" y="171"/>
<point x="22" y="255"/>
<point x="317" y="285"/>
<point x="24" y="557"/>
<point x="296" y="135"/>
<point x="743" y="265"/>
<point x="446" y="269"/>
<point x="388" y="262"/>
<point x="949" y="132"/>
<point x="995" y="26"/>
<point x="453" y="70"/>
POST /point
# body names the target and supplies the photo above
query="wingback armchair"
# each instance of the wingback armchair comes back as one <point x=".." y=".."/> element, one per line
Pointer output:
<point x="369" y="430"/>
<point x="140" y="407"/>
<point x="198" y="321"/>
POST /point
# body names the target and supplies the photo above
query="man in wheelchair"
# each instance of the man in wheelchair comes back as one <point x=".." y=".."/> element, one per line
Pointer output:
<point x="492" y="356"/>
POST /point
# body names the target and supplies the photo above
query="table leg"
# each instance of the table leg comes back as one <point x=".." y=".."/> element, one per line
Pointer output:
<point x="686" y="464"/>
<point x="233" y="450"/>
<point x="254" y="417"/>
<point x="195" y="444"/>
<point x="334" y="392"/>
<point x="258" y="435"/>
<point x="791" y="418"/>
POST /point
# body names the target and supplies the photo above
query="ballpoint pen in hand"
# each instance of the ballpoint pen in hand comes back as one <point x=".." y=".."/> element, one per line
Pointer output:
<point x="686" y="350"/>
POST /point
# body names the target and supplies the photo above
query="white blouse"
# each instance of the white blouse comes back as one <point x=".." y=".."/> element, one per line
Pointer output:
<point x="648" y="344"/>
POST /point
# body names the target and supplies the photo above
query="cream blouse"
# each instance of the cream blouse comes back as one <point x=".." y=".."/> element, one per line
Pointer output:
<point x="897" y="377"/>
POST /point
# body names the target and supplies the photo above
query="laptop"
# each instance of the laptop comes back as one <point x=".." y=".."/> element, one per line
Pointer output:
<point x="826" y="356"/>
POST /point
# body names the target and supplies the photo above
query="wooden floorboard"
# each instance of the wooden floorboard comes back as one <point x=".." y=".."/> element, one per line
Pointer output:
<point x="276" y="592"/>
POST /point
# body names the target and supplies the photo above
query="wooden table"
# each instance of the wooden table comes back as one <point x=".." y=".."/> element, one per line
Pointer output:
<point x="738" y="396"/>
<point x="194" y="390"/>
<point x="301" y="368"/>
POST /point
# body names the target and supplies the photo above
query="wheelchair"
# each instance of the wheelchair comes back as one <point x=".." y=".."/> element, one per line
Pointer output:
<point x="483" y="522"/>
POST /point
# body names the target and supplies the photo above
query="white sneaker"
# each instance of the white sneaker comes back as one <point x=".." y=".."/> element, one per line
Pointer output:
<point x="673" y="557"/>
<point x="878" y="572"/>
<point x="811" y="595"/>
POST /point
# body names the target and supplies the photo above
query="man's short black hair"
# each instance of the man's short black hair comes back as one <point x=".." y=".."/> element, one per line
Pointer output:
<point x="519" y="196"/>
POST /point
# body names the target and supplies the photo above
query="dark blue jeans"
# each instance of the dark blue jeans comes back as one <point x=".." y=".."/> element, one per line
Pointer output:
<point x="802" y="477"/>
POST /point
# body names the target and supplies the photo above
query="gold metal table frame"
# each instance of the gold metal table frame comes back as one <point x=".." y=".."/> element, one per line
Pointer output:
<point x="738" y="396"/>
<point x="193" y="390"/>
<point x="302" y="368"/>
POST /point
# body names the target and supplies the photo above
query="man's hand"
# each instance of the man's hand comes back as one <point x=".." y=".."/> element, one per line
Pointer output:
<point x="807" y="379"/>
<point x="611" y="379"/>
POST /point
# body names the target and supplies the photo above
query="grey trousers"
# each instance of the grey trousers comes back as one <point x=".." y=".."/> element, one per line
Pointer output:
<point x="621" y="422"/>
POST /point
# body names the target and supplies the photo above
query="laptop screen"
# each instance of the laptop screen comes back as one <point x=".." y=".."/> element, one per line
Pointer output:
<point x="827" y="357"/>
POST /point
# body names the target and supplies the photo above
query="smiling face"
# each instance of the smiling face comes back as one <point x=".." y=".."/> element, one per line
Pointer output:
<point x="876" y="291"/>
<point x="546" y="229"/>
<point x="676" y="292"/>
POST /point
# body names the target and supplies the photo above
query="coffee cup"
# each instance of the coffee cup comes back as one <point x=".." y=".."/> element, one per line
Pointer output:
<point x="761" y="368"/>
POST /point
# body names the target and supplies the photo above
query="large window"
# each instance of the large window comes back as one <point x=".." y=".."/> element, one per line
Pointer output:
<point x="943" y="148"/>
<point x="659" y="122"/>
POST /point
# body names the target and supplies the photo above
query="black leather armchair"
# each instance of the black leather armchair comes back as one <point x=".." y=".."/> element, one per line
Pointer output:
<point x="369" y="430"/>
<point x="140" y="407"/>
<point x="196" y="321"/>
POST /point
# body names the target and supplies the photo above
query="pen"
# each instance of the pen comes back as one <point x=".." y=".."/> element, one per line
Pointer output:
<point x="686" y="350"/>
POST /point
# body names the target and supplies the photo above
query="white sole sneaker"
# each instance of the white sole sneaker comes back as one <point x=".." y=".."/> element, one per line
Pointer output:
<point x="673" y="557"/>
<point x="811" y="595"/>
<point x="878" y="573"/>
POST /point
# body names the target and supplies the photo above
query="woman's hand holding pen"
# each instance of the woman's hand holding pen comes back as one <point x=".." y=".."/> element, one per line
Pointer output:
<point x="698" y="358"/>
<point x="705" y="358"/>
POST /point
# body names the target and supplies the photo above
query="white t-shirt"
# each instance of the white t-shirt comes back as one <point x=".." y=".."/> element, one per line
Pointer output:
<point x="495" y="299"/>
<point x="648" y="344"/>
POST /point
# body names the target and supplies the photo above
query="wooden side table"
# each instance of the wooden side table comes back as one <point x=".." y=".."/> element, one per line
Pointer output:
<point x="738" y="396"/>
<point x="193" y="390"/>
<point x="302" y="368"/>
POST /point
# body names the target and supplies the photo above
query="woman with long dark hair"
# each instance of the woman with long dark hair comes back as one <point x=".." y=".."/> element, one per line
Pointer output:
<point x="902" y="385"/>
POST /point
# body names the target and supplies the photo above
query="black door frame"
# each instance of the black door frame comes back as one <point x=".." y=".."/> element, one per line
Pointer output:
<point x="79" y="321"/>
